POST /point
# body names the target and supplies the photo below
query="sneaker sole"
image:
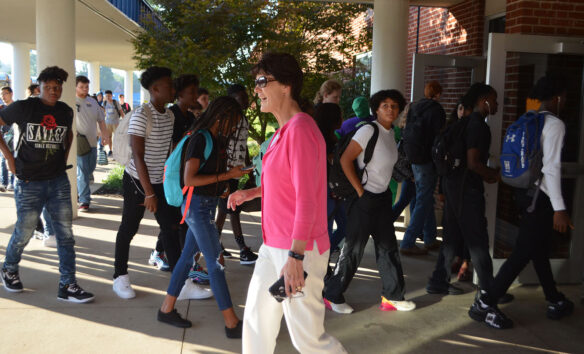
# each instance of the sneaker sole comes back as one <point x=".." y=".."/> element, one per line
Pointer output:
<point x="76" y="301"/>
<point x="83" y="210"/>
<point x="11" y="290"/>
<point x="125" y="297"/>
<point x="246" y="262"/>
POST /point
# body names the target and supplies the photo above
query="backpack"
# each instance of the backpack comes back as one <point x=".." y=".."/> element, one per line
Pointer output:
<point x="415" y="135"/>
<point x="173" y="189"/>
<point x="521" y="155"/>
<point x="122" y="150"/>
<point x="338" y="183"/>
<point x="449" y="148"/>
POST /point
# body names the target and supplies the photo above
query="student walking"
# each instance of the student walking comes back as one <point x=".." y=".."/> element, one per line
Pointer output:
<point x="208" y="175"/>
<point x="39" y="166"/>
<point x="370" y="213"/>
<point x="465" y="208"/>
<point x="549" y="212"/>
<point x="142" y="181"/>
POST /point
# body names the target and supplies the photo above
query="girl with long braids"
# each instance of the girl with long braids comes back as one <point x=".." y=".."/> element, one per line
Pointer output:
<point x="208" y="177"/>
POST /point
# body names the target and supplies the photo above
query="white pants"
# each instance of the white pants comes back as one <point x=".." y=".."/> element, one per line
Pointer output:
<point x="304" y="315"/>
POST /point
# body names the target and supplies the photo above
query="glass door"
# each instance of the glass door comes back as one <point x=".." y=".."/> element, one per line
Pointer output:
<point x="524" y="59"/>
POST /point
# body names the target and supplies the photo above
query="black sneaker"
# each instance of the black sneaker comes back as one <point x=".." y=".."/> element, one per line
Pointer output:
<point x="490" y="315"/>
<point x="74" y="293"/>
<point x="173" y="318"/>
<point x="557" y="310"/>
<point x="235" y="332"/>
<point x="11" y="281"/>
<point x="225" y="253"/>
<point x="448" y="289"/>
<point x="497" y="319"/>
<point x="505" y="299"/>
<point x="246" y="256"/>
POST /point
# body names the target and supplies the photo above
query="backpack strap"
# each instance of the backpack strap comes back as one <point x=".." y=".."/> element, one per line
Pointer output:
<point x="371" y="144"/>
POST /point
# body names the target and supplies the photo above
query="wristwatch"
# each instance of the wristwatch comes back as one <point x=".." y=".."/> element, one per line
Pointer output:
<point x="295" y="255"/>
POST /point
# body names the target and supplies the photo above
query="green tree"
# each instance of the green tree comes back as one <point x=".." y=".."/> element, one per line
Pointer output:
<point x="222" y="39"/>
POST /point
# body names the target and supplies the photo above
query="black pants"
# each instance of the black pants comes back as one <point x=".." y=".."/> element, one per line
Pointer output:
<point x="465" y="222"/>
<point x="368" y="215"/>
<point x="168" y="218"/>
<point x="533" y="244"/>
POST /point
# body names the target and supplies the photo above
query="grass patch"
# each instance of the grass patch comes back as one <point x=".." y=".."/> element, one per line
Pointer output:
<point x="112" y="184"/>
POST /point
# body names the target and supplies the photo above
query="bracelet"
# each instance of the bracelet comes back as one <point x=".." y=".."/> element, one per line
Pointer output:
<point x="295" y="255"/>
<point x="150" y="196"/>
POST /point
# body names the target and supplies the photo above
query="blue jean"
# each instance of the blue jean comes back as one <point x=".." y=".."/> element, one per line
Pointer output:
<point x="408" y="192"/>
<point x="48" y="223"/>
<point x="202" y="236"/>
<point x="6" y="177"/>
<point x="340" y="217"/>
<point x="423" y="220"/>
<point x="85" y="167"/>
<point x="30" y="197"/>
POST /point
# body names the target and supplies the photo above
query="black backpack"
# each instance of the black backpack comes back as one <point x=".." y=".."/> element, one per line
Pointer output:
<point x="449" y="148"/>
<point x="338" y="183"/>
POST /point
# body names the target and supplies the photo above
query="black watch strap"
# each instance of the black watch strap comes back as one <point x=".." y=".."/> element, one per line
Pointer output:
<point x="295" y="255"/>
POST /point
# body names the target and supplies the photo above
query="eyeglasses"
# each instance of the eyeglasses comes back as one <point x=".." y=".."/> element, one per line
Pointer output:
<point x="262" y="81"/>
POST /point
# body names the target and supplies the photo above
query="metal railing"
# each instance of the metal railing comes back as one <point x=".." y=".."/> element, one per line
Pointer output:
<point x="137" y="10"/>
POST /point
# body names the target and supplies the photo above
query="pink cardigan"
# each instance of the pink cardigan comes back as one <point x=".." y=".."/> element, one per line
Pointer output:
<point x="294" y="186"/>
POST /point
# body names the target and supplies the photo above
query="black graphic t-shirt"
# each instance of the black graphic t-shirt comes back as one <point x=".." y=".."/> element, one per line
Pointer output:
<point x="43" y="137"/>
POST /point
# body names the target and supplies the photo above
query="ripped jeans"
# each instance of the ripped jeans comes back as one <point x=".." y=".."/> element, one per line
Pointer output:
<point x="201" y="236"/>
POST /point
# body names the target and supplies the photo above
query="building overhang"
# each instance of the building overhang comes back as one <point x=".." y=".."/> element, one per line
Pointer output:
<point x="425" y="3"/>
<point x="102" y="32"/>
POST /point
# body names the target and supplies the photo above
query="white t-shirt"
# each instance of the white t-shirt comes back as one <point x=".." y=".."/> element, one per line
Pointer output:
<point x="88" y="114"/>
<point x="156" y="145"/>
<point x="379" y="169"/>
<point x="552" y="141"/>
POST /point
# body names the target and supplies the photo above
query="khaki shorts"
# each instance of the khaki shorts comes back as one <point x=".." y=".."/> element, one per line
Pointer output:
<point x="111" y="128"/>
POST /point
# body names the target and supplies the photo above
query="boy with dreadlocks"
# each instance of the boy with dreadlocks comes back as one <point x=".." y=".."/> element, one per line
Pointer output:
<point x="40" y="162"/>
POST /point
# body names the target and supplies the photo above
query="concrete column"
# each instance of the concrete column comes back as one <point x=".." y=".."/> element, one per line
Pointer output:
<point x="20" y="69"/>
<point x="390" y="40"/>
<point x="144" y="95"/>
<point x="55" y="42"/>
<point x="129" y="87"/>
<point x="94" y="83"/>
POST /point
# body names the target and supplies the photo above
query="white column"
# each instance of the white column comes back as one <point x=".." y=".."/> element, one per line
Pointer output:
<point x="20" y="69"/>
<point x="144" y="95"/>
<point x="390" y="39"/>
<point x="129" y="87"/>
<point x="94" y="83"/>
<point x="55" y="42"/>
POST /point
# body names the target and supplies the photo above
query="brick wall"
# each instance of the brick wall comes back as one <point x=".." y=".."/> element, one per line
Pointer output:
<point x="457" y="30"/>
<point x="545" y="17"/>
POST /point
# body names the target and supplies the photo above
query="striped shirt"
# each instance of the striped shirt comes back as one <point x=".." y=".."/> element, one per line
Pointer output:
<point x="156" y="145"/>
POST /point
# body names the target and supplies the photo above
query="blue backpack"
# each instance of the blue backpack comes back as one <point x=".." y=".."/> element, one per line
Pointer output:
<point x="521" y="156"/>
<point x="173" y="192"/>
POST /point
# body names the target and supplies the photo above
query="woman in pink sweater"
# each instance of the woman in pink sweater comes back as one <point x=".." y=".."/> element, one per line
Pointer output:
<point x="294" y="221"/>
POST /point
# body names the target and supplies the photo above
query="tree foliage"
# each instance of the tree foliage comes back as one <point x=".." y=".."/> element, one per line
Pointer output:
<point x="220" y="40"/>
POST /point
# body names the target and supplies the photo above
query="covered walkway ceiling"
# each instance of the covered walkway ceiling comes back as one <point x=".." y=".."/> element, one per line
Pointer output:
<point x="102" y="32"/>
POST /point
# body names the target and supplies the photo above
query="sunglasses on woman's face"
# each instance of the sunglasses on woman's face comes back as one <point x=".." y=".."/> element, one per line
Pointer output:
<point x="262" y="81"/>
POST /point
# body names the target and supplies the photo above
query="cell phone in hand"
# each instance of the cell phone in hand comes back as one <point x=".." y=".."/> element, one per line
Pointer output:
<point x="248" y="167"/>
<point x="278" y="290"/>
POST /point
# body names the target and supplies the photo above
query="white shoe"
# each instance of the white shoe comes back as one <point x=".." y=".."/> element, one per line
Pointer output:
<point x="38" y="235"/>
<point x="50" y="241"/>
<point x="153" y="257"/>
<point x="192" y="291"/>
<point x="343" y="308"/>
<point x="394" y="305"/>
<point x="123" y="288"/>
<point x="10" y="188"/>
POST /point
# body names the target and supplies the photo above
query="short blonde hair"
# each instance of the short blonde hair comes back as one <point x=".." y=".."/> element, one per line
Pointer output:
<point x="327" y="87"/>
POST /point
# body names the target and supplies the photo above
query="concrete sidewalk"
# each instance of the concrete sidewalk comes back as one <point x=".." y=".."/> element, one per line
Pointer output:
<point x="35" y="322"/>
